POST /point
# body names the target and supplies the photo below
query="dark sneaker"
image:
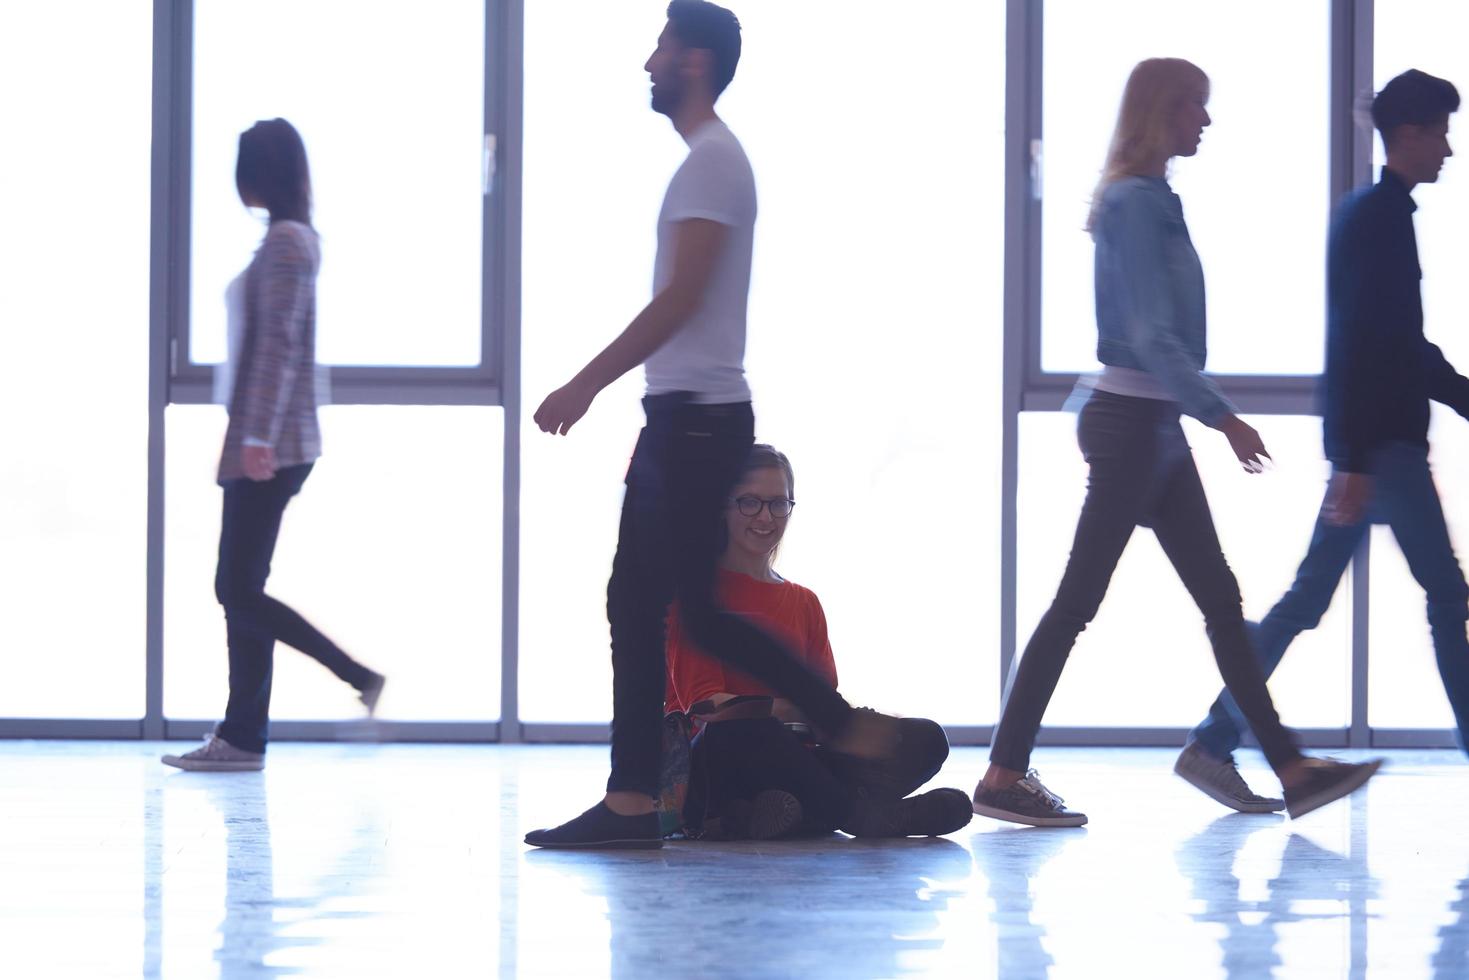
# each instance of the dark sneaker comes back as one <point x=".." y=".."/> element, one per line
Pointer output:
<point x="600" y="828"/>
<point x="217" y="755"/>
<point x="1220" y="779"/>
<point x="1026" y="801"/>
<point x="772" y="813"/>
<point x="372" y="692"/>
<point x="1330" y="780"/>
<point x="931" y="814"/>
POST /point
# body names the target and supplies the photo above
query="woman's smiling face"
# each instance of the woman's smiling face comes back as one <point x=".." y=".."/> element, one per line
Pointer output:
<point x="757" y="536"/>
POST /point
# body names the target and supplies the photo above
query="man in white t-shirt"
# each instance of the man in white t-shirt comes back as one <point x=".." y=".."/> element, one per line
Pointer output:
<point x="700" y="426"/>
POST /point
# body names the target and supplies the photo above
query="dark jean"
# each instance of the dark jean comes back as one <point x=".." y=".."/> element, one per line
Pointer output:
<point x="735" y="760"/>
<point x="1406" y="500"/>
<point x="1141" y="474"/>
<point x="254" y="621"/>
<point x="688" y="459"/>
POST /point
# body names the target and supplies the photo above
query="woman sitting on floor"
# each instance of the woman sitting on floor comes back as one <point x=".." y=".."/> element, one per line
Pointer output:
<point x="757" y="768"/>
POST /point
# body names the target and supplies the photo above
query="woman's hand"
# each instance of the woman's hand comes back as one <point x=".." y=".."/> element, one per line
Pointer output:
<point x="258" y="462"/>
<point x="1248" y="447"/>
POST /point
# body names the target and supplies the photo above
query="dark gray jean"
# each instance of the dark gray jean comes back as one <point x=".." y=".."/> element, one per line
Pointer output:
<point x="1142" y="475"/>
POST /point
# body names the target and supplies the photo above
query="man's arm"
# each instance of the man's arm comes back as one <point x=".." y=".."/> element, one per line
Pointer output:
<point x="696" y="249"/>
<point x="1445" y="385"/>
<point x="1360" y="259"/>
<point x="1368" y="298"/>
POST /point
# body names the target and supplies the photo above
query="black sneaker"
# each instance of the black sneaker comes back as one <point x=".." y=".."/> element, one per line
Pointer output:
<point x="600" y="828"/>
<point x="772" y="813"/>
<point x="1026" y="801"/>
<point x="931" y="814"/>
<point x="371" y="693"/>
<point x="1329" y="780"/>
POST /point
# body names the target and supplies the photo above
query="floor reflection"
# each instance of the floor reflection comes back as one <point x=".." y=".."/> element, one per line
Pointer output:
<point x="781" y="908"/>
<point x="406" y="862"/>
<point x="263" y="935"/>
<point x="1311" y="884"/>
<point x="1011" y="859"/>
<point x="249" y="934"/>
<point x="1451" y="959"/>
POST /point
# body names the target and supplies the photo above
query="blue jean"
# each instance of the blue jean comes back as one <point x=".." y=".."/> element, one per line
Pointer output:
<point x="1406" y="500"/>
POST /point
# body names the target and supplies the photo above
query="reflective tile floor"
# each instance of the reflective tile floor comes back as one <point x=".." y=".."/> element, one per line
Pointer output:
<point x="401" y="861"/>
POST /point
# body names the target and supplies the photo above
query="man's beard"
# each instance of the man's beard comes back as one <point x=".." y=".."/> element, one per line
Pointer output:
<point x="666" y="99"/>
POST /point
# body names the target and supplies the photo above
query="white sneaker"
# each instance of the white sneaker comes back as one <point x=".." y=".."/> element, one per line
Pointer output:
<point x="217" y="755"/>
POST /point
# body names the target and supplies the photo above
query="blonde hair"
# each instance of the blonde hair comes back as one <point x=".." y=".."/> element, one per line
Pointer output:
<point x="1152" y="94"/>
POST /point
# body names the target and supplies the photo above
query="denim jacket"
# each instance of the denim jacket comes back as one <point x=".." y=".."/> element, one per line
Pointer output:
<point x="1150" y="294"/>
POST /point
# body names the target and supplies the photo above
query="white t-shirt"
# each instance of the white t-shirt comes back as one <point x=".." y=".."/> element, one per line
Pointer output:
<point x="707" y="354"/>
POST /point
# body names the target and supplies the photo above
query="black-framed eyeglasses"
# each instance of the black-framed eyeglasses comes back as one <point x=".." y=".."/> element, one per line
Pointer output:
<point x="751" y="506"/>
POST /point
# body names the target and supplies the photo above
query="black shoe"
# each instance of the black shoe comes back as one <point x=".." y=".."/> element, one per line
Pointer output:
<point x="1329" y="780"/>
<point x="371" y="692"/>
<point x="772" y="813"/>
<point x="599" y="827"/>
<point x="939" y="811"/>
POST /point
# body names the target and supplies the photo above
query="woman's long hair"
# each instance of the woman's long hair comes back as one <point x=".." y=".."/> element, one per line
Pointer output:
<point x="1152" y="95"/>
<point x="271" y="169"/>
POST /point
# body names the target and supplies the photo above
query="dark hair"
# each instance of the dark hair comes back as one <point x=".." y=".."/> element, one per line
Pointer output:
<point x="700" y="24"/>
<point x="272" y="170"/>
<point x="767" y="457"/>
<point x="1414" y="98"/>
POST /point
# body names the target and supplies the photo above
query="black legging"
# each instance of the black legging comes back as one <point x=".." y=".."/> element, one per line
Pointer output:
<point x="1141" y="474"/>
<point x="735" y="760"/>
<point x="255" y="621"/>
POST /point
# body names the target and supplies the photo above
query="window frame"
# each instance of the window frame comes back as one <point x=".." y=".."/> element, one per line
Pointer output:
<point x="1026" y="387"/>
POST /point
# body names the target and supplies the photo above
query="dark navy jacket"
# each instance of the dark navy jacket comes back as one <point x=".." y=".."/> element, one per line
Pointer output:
<point x="1381" y="371"/>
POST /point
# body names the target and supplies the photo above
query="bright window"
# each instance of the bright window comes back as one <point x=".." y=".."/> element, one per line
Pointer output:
<point x="392" y="549"/>
<point x="391" y="108"/>
<point x="73" y="485"/>
<point x="1425" y="34"/>
<point x="1145" y="661"/>
<point x="1405" y="689"/>
<point x="874" y="338"/>
<point x="1254" y="196"/>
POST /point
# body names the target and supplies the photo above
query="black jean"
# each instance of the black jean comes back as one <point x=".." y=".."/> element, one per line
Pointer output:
<point x="688" y="459"/>
<point x="735" y="760"/>
<point x="254" y="621"/>
<point x="1141" y="474"/>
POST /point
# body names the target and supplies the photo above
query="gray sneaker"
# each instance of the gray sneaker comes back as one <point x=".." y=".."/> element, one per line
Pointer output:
<point x="1220" y="779"/>
<point x="1026" y="801"/>
<point x="217" y="755"/>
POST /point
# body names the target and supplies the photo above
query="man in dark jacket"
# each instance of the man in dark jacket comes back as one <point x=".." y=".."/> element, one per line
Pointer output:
<point x="1381" y="373"/>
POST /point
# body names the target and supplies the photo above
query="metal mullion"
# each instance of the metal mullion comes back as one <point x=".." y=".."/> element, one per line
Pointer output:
<point x="1166" y="737"/>
<point x="1021" y="343"/>
<point x="80" y="728"/>
<point x="168" y="303"/>
<point x="332" y="731"/>
<point x="1351" y="166"/>
<point x="1414" y="738"/>
<point x="507" y="53"/>
<point x="571" y="732"/>
<point x="178" y="100"/>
